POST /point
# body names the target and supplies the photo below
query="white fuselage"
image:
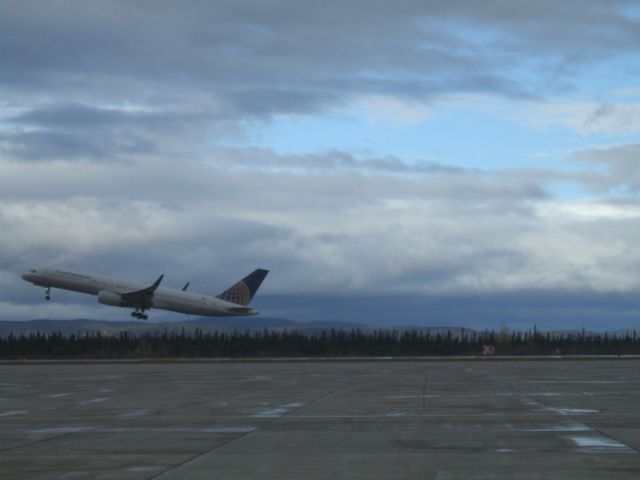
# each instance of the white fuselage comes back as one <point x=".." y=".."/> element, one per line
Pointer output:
<point x="163" y="298"/>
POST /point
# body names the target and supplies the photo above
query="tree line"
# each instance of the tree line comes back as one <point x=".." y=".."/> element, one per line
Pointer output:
<point x="291" y="343"/>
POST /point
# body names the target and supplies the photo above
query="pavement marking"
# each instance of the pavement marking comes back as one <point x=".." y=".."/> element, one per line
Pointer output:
<point x="94" y="400"/>
<point x="135" y="413"/>
<point x="278" y="411"/>
<point x="62" y="430"/>
<point x="240" y="429"/>
<point x="11" y="413"/>
<point x="575" y="411"/>
<point x="571" y="427"/>
<point x="599" y="443"/>
<point x="500" y="394"/>
<point x="143" y="468"/>
<point x="596" y="442"/>
<point x="256" y="378"/>
<point x="572" y="382"/>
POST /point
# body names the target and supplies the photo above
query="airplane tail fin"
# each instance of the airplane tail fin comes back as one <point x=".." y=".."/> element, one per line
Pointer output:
<point x="243" y="291"/>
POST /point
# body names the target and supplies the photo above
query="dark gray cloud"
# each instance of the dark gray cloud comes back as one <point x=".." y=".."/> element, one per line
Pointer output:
<point x="277" y="57"/>
<point x="375" y="248"/>
<point x="518" y="310"/>
<point x="77" y="116"/>
<point x="54" y="131"/>
<point x="334" y="160"/>
<point x="94" y="80"/>
<point x="618" y="164"/>
<point x="50" y="145"/>
<point x="355" y="227"/>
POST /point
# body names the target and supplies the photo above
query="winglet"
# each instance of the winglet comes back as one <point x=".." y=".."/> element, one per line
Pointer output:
<point x="243" y="291"/>
<point x="142" y="297"/>
<point x="147" y="290"/>
<point x="156" y="284"/>
<point x="186" y="285"/>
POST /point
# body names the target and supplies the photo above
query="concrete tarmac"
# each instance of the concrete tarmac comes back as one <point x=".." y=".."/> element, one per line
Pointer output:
<point x="437" y="419"/>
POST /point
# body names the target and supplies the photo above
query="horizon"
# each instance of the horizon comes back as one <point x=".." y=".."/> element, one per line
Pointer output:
<point x="295" y="325"/>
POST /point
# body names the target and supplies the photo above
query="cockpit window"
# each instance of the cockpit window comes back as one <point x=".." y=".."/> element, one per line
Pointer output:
<point x="33" y="270"/>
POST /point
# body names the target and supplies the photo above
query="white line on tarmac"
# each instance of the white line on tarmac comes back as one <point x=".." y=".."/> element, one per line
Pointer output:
<point x="94" y="400"/>
<point x="11" y="413"/>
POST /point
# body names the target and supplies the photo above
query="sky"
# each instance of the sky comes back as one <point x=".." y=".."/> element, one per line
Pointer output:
<point x="434" y="162"/>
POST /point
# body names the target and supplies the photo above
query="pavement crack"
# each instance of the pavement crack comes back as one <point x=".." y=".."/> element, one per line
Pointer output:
<point x="36" y="442"/>
<point x="246" y="434"/>
<point x="424" y="390"/>
<point x="198" y="455"/>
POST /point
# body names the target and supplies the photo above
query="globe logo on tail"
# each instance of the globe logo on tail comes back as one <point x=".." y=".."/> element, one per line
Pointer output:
<point x="238" y="294"/>
<point x="242" y="292"/>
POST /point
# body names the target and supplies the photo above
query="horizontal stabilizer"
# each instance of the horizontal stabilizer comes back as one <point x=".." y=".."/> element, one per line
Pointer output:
<point x="242" y="310"/>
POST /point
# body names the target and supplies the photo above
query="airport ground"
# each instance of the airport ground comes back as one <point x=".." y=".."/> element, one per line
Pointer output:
<point x="375" y="419"/>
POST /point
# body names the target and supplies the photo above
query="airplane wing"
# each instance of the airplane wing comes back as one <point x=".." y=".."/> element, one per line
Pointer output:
<point x="142" y="298"/>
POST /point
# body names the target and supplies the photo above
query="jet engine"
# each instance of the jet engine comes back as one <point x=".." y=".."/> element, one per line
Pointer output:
<point x="110" y="298"/>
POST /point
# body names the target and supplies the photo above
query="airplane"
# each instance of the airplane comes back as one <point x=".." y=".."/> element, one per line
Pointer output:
<point x="233" y="301"/>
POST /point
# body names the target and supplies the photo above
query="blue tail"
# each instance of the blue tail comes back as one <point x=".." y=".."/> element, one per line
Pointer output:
<point x="242" y="292"/>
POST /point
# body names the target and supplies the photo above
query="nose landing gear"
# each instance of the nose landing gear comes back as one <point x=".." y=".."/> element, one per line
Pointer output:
<point x="47" y="293"/>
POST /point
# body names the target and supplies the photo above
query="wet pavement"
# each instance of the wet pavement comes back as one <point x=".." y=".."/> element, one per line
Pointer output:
<point x="422" y="419"/>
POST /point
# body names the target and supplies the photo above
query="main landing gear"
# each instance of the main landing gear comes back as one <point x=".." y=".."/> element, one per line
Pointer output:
<point x="139" y="314"/>
<point x="47" y="293"/>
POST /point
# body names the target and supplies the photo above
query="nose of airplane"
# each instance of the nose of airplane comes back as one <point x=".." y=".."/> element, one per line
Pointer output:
<point x="27" y="276"/>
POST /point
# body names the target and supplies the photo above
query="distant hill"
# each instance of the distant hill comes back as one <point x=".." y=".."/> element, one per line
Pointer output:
<point x="230" y="324"/>
<point x="205" y="324"/>
<point x="105" y="327"/>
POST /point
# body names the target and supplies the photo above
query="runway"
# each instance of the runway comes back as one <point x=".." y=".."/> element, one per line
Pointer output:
<point x="414" y="419"/>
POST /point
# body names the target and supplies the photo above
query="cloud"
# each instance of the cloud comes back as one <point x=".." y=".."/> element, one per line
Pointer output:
<point x="333" y="231"/>
<point x="97" y="82"/>
<point x="280" y="58"/>
<point x="521" y="310"/>
<point x="330" y="229"/>
<point x="127" y="148"/>
<point x="618" y="164"/>
<point x="54" y="131"/>
<point x="268" y="159"/>
<point x="388" y="110"/>
<point x="586" y="117"/>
